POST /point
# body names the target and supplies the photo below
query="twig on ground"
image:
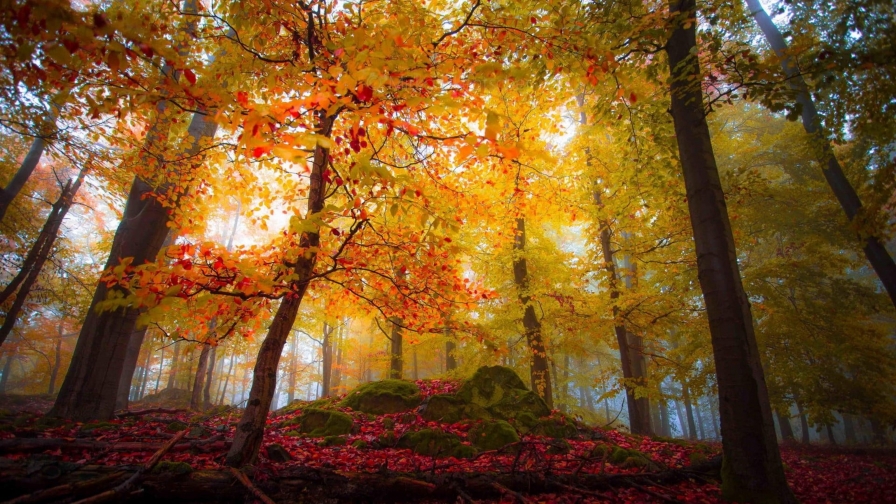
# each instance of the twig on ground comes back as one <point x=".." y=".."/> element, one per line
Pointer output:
<point x="241" y="477"/>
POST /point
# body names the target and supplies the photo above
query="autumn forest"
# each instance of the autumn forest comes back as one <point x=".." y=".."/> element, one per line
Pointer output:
<point x="438" y="251"/>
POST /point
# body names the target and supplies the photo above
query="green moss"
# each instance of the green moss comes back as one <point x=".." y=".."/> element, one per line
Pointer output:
<point x="322" y="423"/>
<point x="293" y="433"/>
<point x="333" y="441"/>
<point x="559" y="447"/>
<point x="515" y="402"/>
<point x="558" y="427"/>
<point x="434" y="443"/>
<point x="47" y="422"/>
<point x="298" y="405"/>
<point x="98" y="426"/>
<point x="675" y="441"/>
<point x="387" y="439"/>
<point x="488" y="385"/>
<point x="443" y="408"/>
<point x="167" y="466"/>
<point x="360" y="444"/>
<point x="388" y="423"/>
<point x="382" y="397"/>
<point x="601" y="451"/>
<point x="176" y="426"/>
<point x="619" y="455"/>
<point x="697" y="458"/>
<point x="492" y="435"/>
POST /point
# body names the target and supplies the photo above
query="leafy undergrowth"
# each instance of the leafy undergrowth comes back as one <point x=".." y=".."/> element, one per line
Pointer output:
<point x="816" y="474"/>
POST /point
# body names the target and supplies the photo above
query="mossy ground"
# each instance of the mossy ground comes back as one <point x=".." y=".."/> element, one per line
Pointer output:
<point x="383" y="397"/>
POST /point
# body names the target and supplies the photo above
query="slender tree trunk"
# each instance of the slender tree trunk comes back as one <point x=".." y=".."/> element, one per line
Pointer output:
<point x="830" y="431"/>
<point x="804" y="424"/>
<point x="682" y="420"/>
<point x="752" y="468"/>
<point x="686" y="398"/>
<point x="57" y="361"/>
<point x="209" y="374"/>
<point x="250" y="431"/>
<point x="699" y="416"/>
<point x="337" y="369"/>
<point x="874" y="248"/>
<point x="290" y="394"/>
<point x="450" y="358"/>
<point x="786" y="429"/>
<point x="8" y="193"/>
<point x="414" y="374"/>
<point x="37" y="256"/>
<point x="227" y="378"/>
<point x="327" y="360"/>
<point x="146" y="364"/>
<point x="539" y="374"/>
<point x="196" y="402"/>
<point x="161" y="367"/>
<point x="7" y="369"/>
<point x="396" y="361"/>
<point x="175" y="361"/>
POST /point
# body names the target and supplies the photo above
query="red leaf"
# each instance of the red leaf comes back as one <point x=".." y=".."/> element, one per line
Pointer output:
<point x="191" y="77"/>
<point x="364" y="93"/>
<point x="632" y="98"/>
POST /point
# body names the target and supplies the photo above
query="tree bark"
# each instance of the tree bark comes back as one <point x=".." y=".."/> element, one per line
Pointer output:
<point x="290" y="394"/>
<point x="250" y="431"/>
<point x="145" y="378"/>
<point x="209" y="374"/>
<point x="9" y="193"/>
<point x="227" y="378"/>
<point x="786" y="429"/>
<point x="846" y="195"/>
<point x="450" y="359"/>
<point x="804" y="424"/>
<point x="38" y="255"/>
<point x="849" y="428"/>
<point x="539" y="374"/>
<point x="326" y="360"/>
<point x="396" y="361"/>
<point x="175" y="361"/>
<point x="752" y="470"/>
<point x="57" y="362"/>
<point x="196" y="402"/>
<point x="132" y="355"/>
<point x="686" y="398"/>
<point x="682" y="420"/>
<point x="336" y="381"/>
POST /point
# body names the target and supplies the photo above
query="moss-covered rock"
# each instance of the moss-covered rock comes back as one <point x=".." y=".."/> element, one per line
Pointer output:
<point x="383" y="397"/>
<point x="558" y="427"/>
<point x="299" y="404"/>
<point x="360" y="444"/>
<point x="167" y="466"/>
<point x="277" y="453"/>
<point x="450" y="409"/>
<point x="333" y="441"/>
<point x="321" y="423"/>
<point x="387" y="439"/>
<point x="559" y="447"/>
<point x="492" y="435"/>
<point x="435" y="443"/>
<point x="502" y="393"/>
<point x="175" y="426"/>
<point x="516" y="402"/>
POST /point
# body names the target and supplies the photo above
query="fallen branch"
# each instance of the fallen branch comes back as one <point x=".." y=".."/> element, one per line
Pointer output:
<point x="41" y="444"/>
<point x="67" y="490"/>
<point x="129" y="484"/>
<point x="248" y="484"/>
<point x="504" y="490"/>
<point x="125" y="414"/>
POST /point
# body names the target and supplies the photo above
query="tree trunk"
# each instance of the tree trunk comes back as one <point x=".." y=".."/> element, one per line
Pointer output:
<point x="804" y="424"/>
<point x="786" y="429"/>
<point x="539" y="374"/>
<point x="209" y="374"/>
<point x="849" y="428"/>
<point x="686" y="398"/>
<point x="227" y="378"/>
<point x="878" y="430"/>
<point x="8" y="193"/>
<point x="396" y="358"/>
<point x="752" y="469"/>
<point x="57" y="362"/>
<point x="450" y="359"/>
<point x="336" y="381"/>
<point x="290" y="394"/>
<point x="327" y="360"/>
<point x="175" y="360"/>
<point x="37" y="256"/>
<point x="132" y="355"/>
<point x="831" y="438"/>
<point x="874" y="249"/>
<point x="161" y="367"/>
<point x="196" y="401"/>
<point x="250" y="431"/>
<point x="7" y="369"/>
<point x="146" y="364"/>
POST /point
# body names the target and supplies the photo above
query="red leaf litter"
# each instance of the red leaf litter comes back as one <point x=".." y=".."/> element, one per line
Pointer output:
<point x="817" y="474"/>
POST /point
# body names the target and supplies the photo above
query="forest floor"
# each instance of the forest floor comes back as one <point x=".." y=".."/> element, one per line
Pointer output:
<point x="44" y="460"/>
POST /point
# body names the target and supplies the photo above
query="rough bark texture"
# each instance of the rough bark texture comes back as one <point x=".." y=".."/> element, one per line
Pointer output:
<point x="539" y="374"/>
<point x="250" y="430"/>
<point x="132" y="354"/>
<point x="40" y="251"/>
<point x="91" y="384"/>
<point x="752" y="469"/>
<point x="874" y="249"/>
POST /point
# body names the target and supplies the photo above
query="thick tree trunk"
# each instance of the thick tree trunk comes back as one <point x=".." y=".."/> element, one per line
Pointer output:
<point x="9" y="193"/>
<point x="539" y="374"/>
<point x="37" y="256"/>
<point x="786" y="429"/>
<point x="326" y="361"/>
<point x="752" y="470"/>
<point x="91" y="384"/>
<point x="209" y="374"/>
<point x="196" y="402"/>
<point x="250" y="431"/>
<point x="874" y="248"/>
